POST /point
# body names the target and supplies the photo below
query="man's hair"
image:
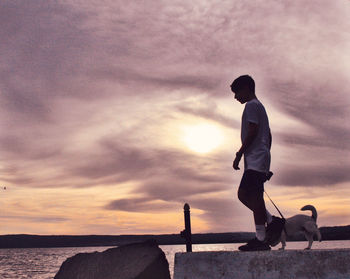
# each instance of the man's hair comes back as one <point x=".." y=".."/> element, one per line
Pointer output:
<point x="243" y="81"/>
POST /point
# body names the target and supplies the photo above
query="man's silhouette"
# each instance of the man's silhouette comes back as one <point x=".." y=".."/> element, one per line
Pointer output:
<point x="256" y="144"/>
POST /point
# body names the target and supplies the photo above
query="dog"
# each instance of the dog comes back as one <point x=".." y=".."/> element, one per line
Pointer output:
<point x="301" y="223"/>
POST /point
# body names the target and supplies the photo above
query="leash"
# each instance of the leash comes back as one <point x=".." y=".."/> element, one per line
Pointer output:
<point x="268" y="176"/>
<point x="274" y="204"/>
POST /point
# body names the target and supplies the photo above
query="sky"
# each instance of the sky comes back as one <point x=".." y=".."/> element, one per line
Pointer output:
<point x="114" y="114"/>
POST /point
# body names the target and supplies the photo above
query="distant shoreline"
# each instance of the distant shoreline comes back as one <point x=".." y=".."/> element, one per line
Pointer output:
<point x="51" y="241"/>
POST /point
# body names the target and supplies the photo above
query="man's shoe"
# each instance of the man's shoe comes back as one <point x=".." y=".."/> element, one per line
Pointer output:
<point x="255" y="245"/>
<point x="274" y="230"/>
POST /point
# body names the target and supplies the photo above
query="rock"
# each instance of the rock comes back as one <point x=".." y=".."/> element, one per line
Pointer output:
<point x="143" y="260"/>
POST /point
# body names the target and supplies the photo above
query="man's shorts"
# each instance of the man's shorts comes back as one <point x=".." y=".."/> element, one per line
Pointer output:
<point x="253" y="181"/>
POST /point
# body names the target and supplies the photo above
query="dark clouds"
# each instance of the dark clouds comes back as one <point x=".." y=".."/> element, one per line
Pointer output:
<point x="141" y="205"/>
<point x="163" y="168"/>
<point x="315" y="175"/>
<point x="323" y="105"/>
<point x="42" y="46"/>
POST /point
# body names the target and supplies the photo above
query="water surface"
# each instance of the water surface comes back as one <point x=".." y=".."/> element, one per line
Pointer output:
<point x="43" y="263"/>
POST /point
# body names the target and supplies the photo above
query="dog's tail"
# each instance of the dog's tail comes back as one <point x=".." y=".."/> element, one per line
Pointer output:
<point x="313" y="210"/>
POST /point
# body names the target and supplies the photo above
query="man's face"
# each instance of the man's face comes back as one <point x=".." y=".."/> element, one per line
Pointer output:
<point x="241" y="95"/>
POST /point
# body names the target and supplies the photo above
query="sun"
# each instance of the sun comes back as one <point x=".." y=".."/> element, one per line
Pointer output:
<point x="202" y="138"/>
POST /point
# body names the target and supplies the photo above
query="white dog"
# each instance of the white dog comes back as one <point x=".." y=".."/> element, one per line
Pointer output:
<point x="301" y="223"/>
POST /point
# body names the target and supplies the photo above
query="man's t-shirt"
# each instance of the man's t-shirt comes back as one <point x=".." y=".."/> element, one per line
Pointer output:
<point x="257" y="156"/>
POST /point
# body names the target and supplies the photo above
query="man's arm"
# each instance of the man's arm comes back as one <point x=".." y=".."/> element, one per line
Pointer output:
<point x="252" y="133"/>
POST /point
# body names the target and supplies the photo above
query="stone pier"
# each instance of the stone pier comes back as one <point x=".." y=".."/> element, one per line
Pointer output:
<point x="288" y="264"/>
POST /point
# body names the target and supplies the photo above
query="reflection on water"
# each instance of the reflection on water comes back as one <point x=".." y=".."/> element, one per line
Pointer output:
<point x="36" y="263"/>
<point x="43" y="263"/>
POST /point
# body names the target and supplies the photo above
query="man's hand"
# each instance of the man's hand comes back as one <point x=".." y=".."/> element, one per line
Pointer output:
<point x="253" y="129"/>
<point x="236" y="161"/>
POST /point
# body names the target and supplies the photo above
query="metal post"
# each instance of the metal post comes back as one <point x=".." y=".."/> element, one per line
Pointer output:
<point x="187" y="232"/>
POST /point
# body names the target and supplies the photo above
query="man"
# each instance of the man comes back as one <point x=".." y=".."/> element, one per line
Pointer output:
<point x="256" y="144"/>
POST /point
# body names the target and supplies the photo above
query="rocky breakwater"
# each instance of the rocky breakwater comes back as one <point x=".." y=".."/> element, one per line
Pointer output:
<point x="133" y="261"/>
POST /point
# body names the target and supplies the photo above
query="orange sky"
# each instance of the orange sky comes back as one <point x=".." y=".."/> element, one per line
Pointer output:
<point x="113" y="115"/>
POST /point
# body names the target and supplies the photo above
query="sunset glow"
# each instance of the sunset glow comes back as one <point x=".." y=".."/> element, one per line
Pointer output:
<point x="203" y="138"/>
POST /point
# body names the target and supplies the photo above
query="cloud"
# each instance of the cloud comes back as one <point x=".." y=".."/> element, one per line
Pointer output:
<point x="322" y="106"/>
<point x="141" y="205"/>
<point x="42" y="45"/>
<point x="40" y="219"/>
<point x="318" y="175"/>
<point x="178" y="189"/>
<point x="14" y="145"/>
<point x="210" y="112"/>
<point x="89" y="95"/>
<point x="156" y="80"/>
<point x="162" y="170"/>
<point x="115" y="158"/>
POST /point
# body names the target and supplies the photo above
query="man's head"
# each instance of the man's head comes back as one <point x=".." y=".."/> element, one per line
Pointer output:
<point x="244" y="88"/>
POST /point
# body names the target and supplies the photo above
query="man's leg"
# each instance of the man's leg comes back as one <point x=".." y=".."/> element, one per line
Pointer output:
<point x="259" y="212"/>
<point x="259" y="209"/>
<point x="255" y="202"/>
<point x="244" y="197"/>
<point x="251" y="194"/>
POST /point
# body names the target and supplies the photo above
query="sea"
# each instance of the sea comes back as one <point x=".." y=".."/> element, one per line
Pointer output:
<point x="44" y="263"/>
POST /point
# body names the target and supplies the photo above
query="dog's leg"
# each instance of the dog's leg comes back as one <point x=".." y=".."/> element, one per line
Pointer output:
<point x="319" y="237"/>
<point x="283" y="240"/>
<point x="310" y="238"/>
<point x="310" y="230"/>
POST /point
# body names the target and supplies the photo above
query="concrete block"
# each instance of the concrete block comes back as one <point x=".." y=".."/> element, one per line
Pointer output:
<point x="288" y="264"/>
